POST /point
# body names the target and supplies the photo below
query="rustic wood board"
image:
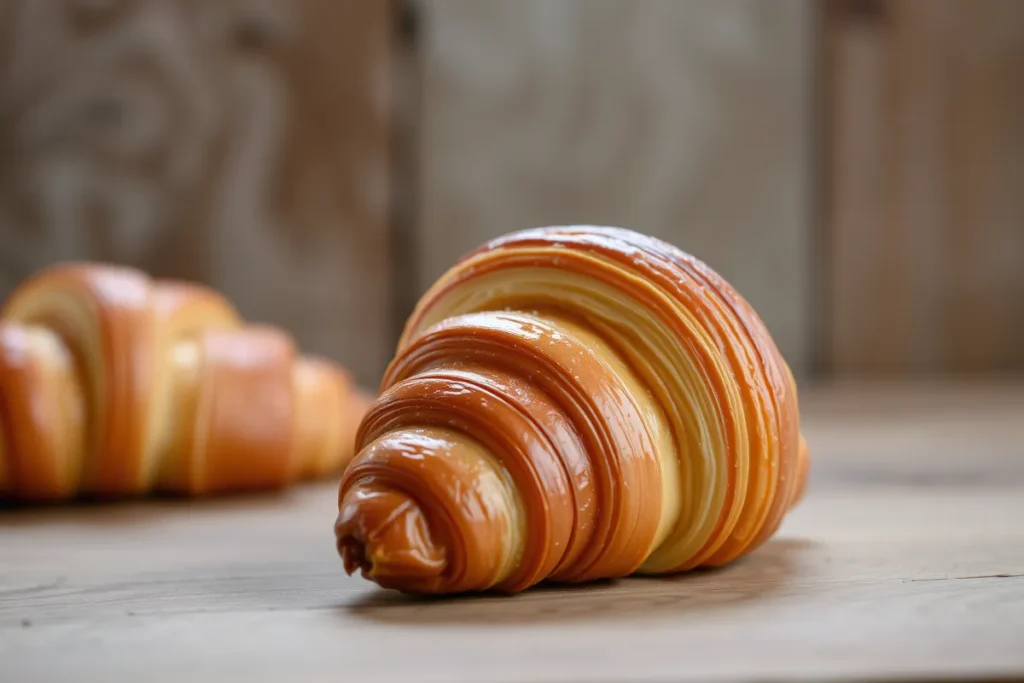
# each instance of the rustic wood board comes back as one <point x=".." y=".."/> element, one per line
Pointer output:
<point x="915" y="574"/>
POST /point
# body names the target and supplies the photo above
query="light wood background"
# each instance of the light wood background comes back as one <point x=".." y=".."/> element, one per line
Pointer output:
<point x="685" y="120"/>
<point x="854" y="167"/>
<point x="925" y="186"/>
<point x="244" y="143"/>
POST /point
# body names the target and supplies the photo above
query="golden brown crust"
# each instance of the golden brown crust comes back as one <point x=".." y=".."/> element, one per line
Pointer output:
<point x="113" y="384"/>
<point x="104" y="317"/>
<point x="39" y="393"/>
<point x="244" y="439"/>
<point x="636" y="404"/>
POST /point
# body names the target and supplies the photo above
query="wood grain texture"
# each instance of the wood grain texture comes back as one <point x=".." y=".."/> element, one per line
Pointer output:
<point x="689" y="121"/>
<point x="925" y="186"/>
<point x="242" y="143"/>
<point x="898" y="574"/>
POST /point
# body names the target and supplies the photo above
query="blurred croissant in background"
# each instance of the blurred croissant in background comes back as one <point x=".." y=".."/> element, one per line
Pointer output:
<point x="572" y="404"/>
<point x="113" y="384"/>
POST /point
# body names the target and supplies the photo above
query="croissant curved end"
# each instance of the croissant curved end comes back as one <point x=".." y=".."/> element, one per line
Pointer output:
<point x="568" y="404"/>
<point x="384" y="534"/>
<point x="41" y="415"/>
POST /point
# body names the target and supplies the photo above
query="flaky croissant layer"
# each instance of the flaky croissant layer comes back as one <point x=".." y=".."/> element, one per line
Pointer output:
<point x="570" y="404"/>
<point x="114" y="384"/>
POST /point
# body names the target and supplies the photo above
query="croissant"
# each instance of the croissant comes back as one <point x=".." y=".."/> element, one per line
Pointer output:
<point x="570" y="404"/>
<point x="113" y="384"/>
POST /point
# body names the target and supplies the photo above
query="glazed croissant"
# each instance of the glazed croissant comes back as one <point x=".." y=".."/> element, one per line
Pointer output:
<point x="570" y="404"/>
<point x="113" y="384"/>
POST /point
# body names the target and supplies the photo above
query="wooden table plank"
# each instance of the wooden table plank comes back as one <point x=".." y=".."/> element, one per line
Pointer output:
<point x="869" y="578"/>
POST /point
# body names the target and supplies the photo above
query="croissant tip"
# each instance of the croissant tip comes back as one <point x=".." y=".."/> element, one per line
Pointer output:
<point x="353" y="556"/>
<point x="375" y="564"/>
<point x="385" y="536"/>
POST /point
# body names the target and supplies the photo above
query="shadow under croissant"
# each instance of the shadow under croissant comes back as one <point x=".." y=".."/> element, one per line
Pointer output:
<point x="764" y="573"/>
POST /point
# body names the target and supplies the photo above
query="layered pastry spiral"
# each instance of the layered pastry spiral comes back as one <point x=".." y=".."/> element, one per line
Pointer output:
<point x="570" y="404"/>
<point x="113" y="384"/>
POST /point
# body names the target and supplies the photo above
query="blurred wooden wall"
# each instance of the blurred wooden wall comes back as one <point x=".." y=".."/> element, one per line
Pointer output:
<point x="854" y="167"/>
<point x="685" y="120"/>
<point x="244" y="143"/>
<point x="924" y="186"/>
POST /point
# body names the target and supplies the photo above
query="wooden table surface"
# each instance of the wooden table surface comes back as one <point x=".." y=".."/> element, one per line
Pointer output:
<point x="905" y="560"/>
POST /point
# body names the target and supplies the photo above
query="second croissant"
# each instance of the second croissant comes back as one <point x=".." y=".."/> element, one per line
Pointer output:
<point x="570" y="404"/>
<point x="113" y="384"/>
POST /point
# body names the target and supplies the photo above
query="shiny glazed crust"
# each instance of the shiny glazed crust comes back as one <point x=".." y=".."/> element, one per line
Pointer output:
<point x="113" y="384"/>
<point x="570" y="404"/>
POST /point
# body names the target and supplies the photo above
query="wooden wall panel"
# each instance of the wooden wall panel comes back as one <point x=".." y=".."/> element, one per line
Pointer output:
<point x="925" y="186"/>
<point x="244" y="143"/>
<point x="687" y="120"/>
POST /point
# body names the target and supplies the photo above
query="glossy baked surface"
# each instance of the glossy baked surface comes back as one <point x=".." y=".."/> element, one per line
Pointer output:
<point x="570" y="404"/>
